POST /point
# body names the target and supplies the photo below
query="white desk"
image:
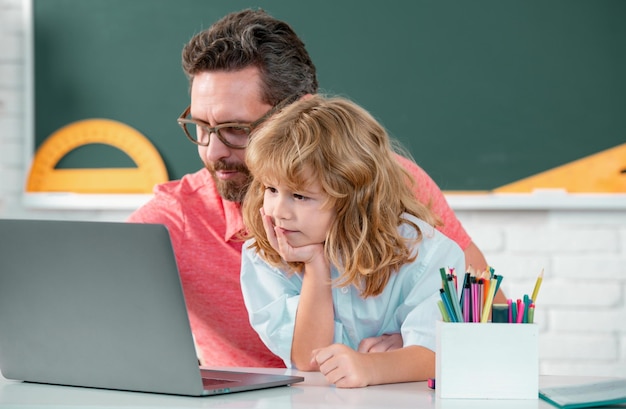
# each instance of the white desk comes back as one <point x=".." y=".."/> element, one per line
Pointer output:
<point x="312" y="393"/>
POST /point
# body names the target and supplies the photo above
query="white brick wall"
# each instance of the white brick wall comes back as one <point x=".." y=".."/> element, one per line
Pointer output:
<point x="581" y="307"/>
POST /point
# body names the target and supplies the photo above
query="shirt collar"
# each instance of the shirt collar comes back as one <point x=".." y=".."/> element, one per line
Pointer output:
<point x="234" y="219"/>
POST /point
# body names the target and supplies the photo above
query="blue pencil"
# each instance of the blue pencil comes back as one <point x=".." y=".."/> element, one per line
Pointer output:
<point x="446" y="303"/>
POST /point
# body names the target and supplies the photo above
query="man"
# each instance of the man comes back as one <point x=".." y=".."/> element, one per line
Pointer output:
<point x="242" y="69"/>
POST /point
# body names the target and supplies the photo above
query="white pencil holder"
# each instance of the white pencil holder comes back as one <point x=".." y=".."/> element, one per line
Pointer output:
<point x="487" y="361"/>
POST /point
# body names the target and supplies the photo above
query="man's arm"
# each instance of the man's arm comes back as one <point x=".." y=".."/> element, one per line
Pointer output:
<point x="475" y="258"/>
<point x="429" y="194"/>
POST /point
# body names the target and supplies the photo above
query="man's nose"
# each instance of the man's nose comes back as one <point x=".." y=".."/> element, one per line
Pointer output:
<point x="216" y="149"/>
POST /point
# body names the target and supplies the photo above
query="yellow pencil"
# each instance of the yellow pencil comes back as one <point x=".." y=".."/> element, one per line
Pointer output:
<point x="489" y="300"/>
<point x="537" y="285"/>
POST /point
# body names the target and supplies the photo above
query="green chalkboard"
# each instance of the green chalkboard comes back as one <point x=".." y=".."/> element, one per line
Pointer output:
<point x="482" y="92"/>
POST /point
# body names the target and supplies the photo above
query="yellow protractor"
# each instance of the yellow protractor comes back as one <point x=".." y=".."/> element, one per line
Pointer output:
<point x="150" y="170"/>
<point x="602" y="172"/>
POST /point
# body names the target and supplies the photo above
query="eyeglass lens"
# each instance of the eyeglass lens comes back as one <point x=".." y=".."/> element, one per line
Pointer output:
<point x="231" y="135"/>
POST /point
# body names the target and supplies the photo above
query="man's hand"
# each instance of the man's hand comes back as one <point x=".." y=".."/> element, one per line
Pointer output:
<point x="383" y="343"/>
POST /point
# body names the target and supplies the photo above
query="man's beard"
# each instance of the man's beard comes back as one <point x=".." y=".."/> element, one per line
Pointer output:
<point x="233" y="190"/>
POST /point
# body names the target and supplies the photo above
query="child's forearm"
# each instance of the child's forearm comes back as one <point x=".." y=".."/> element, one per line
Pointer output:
<point x="408" y="364"/>
<point x="314" y="326"/>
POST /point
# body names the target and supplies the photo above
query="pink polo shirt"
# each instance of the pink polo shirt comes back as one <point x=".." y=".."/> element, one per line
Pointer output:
<point x="203" y="229"/>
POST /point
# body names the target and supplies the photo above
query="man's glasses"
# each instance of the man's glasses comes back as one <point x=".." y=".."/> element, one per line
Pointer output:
<point x="232" y="134"/>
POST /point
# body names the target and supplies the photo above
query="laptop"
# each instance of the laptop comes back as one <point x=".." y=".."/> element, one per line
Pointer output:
<point x="100" y="304"/>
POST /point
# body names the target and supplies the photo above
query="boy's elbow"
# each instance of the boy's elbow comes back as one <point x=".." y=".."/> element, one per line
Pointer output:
<point x="306" y="365"/>
<point x="307" y="368"/>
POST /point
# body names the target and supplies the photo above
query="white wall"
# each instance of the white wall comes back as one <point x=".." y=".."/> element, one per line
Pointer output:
<point x="581" y="307"/>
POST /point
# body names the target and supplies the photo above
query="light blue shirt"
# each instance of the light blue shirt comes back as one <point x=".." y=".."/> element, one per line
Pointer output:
<point x="407" y="305"/>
